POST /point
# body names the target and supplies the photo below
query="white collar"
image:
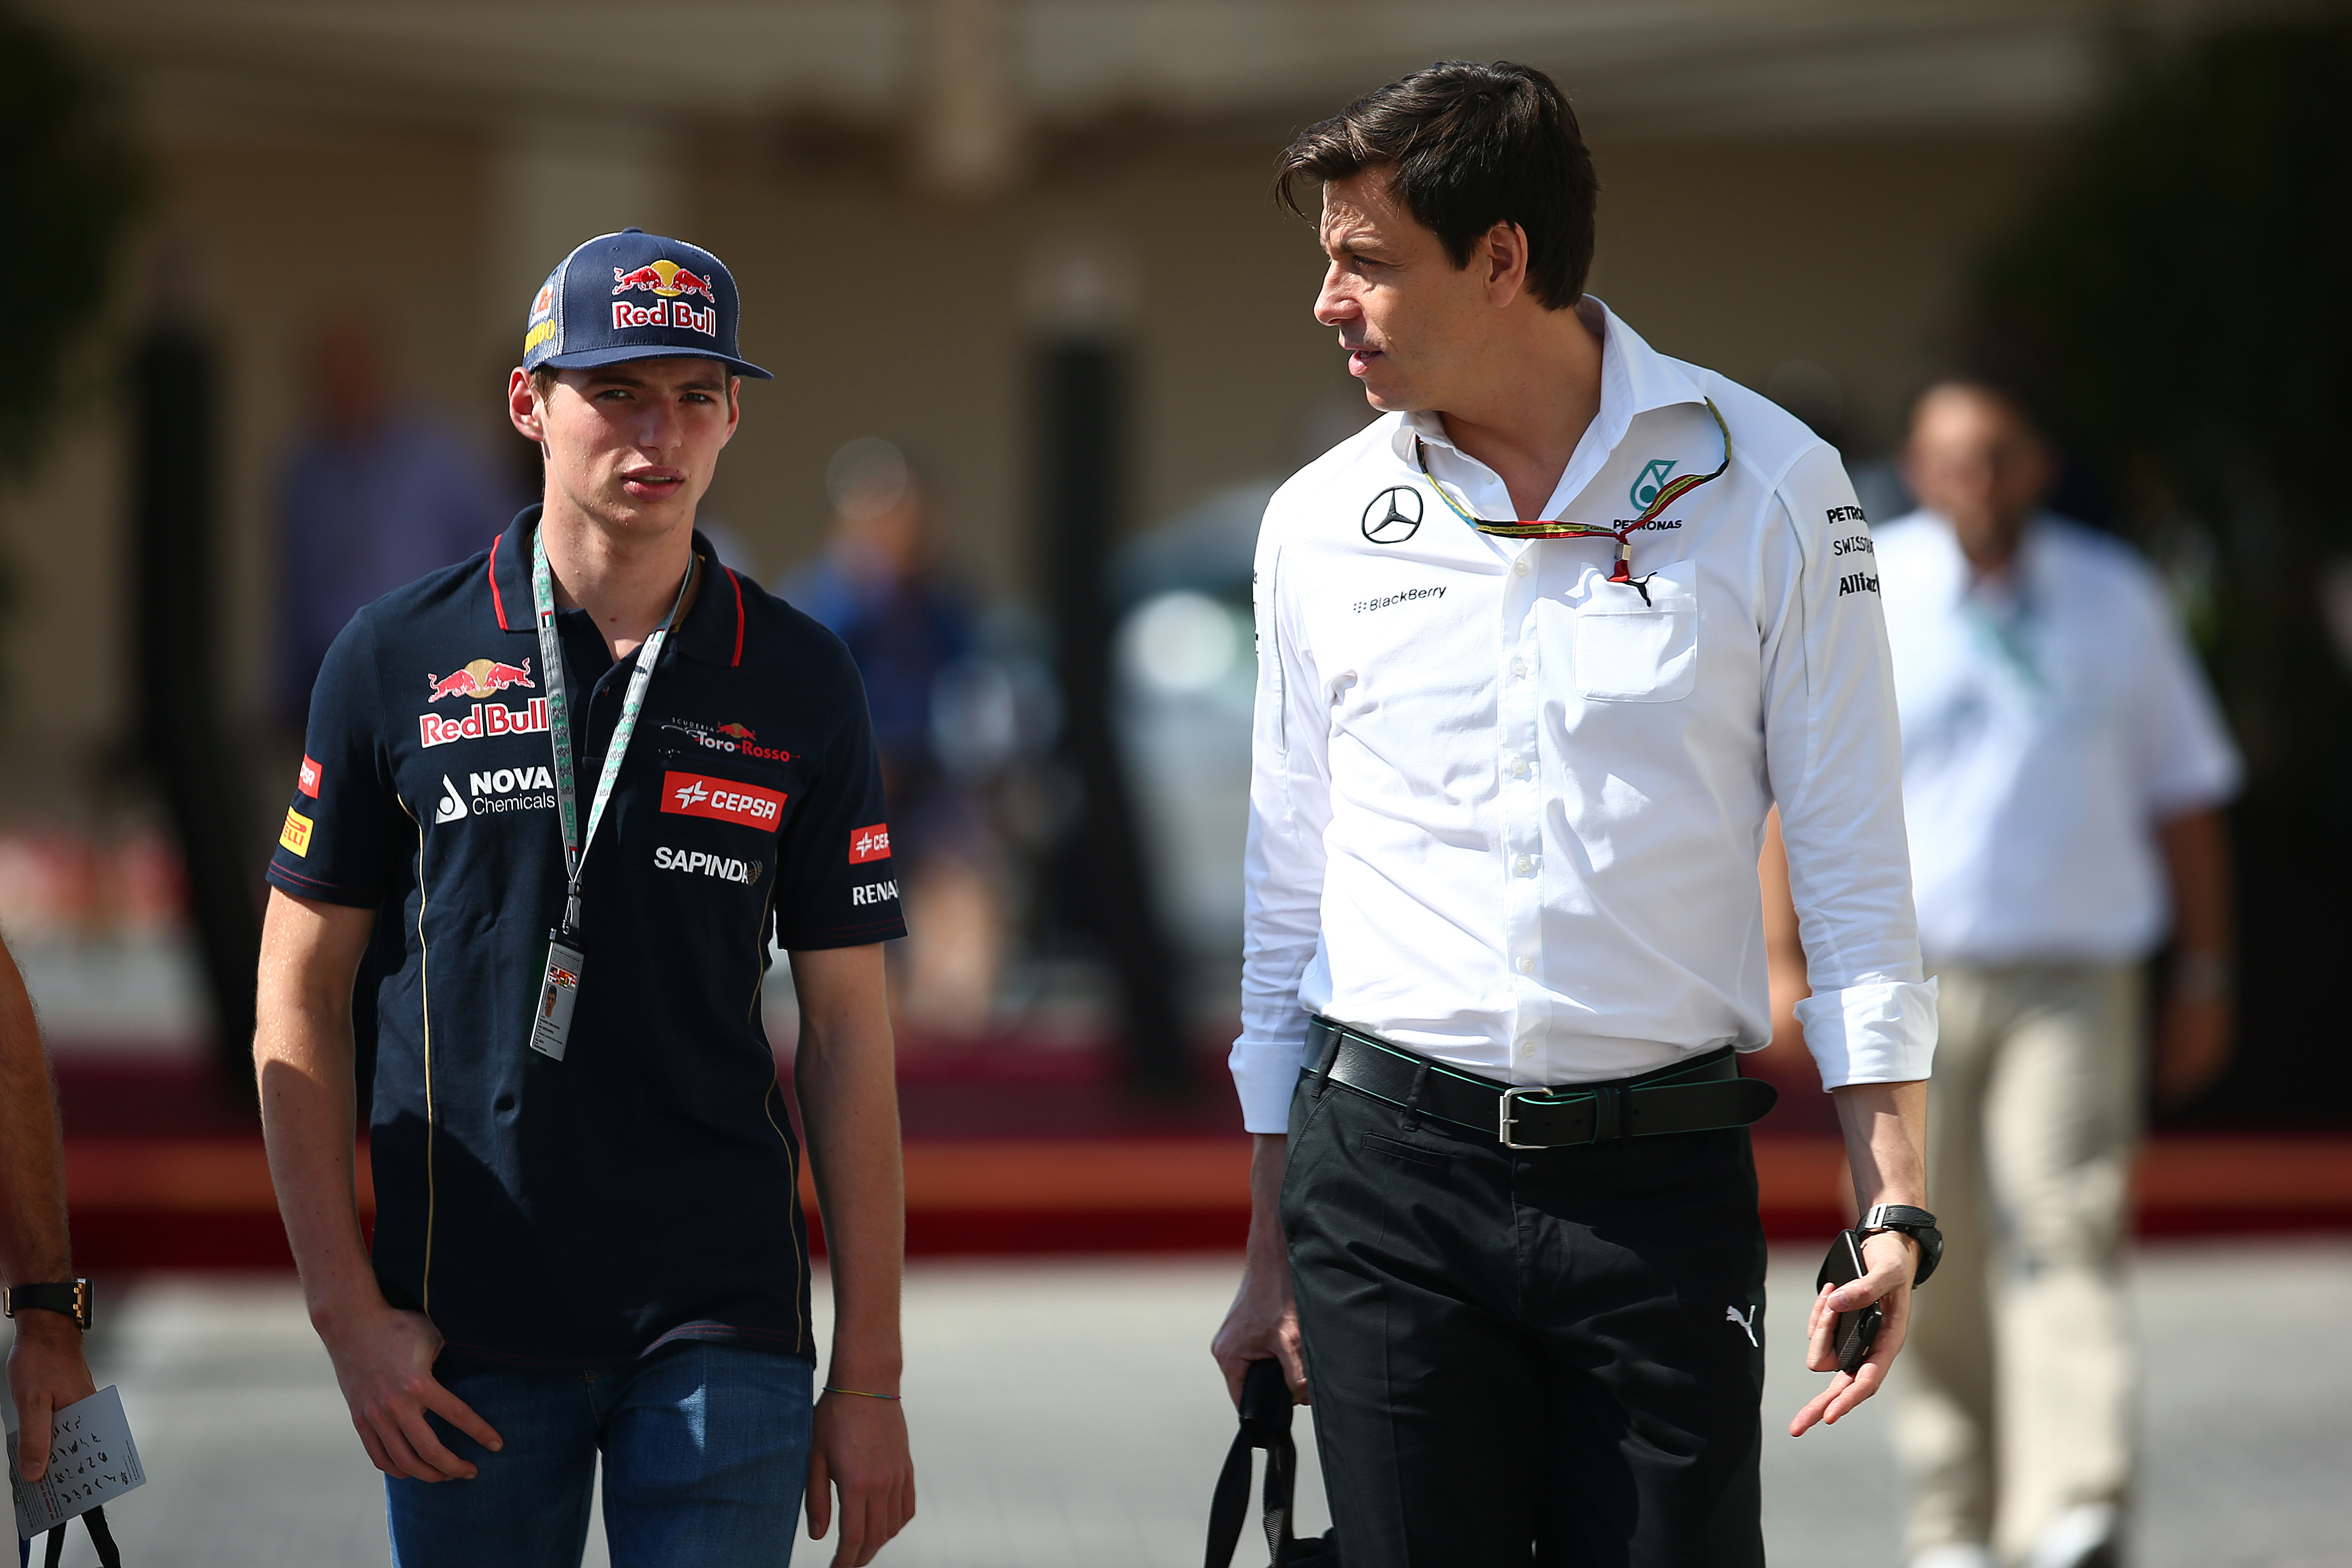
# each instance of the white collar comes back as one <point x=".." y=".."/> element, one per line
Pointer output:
<point x="1634" y="379"/>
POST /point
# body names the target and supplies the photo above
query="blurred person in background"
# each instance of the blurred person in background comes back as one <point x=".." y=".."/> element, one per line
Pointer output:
<point x="879" y="587"/>
<point x="2063" y="770"/>
<point x="373" y="496"/>
<point x="1539" y="647"/>
<point x="51" y="1308"/>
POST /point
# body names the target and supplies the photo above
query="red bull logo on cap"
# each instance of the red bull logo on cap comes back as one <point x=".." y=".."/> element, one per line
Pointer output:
<point x="669" y="284"/>
<point x="666" y="313"/>
<point x="666" y="278"/>
<point x="481" y="678"/>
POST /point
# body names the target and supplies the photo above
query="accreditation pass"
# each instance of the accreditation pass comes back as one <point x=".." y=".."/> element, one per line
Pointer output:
<point x="559" y="991"/>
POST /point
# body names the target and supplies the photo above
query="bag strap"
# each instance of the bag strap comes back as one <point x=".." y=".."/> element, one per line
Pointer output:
<point x="109" y="1555"/>
<point x="1264" y="1424"/>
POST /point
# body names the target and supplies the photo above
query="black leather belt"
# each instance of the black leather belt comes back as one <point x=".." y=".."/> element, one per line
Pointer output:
<point x="1689" y="1097"/>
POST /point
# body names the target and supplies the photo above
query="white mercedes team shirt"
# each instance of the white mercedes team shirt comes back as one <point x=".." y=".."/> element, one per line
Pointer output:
<point x="2050" y="719"/>
<point x="1507" y="813"/>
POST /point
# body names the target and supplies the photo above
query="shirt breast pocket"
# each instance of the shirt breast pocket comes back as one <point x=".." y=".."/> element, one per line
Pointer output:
<point x="1628" y="651"/>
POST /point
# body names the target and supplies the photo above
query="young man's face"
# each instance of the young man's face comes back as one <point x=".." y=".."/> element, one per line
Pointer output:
<point x="1412" y="321"/>
<point x="632" y="445"/>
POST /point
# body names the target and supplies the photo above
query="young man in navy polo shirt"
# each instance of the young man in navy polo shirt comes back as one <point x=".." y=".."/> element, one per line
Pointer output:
<point x="566" y="794"/>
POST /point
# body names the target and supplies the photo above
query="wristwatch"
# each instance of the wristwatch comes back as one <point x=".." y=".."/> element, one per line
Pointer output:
<point x="1917" y="1224"/>
<point x="71" y="1297"/>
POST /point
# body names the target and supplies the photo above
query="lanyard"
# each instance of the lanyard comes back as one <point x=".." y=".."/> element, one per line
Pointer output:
<point x="1668" y="494"/>
<point x="2006" y="636"/>
<point x="559" y="720"/>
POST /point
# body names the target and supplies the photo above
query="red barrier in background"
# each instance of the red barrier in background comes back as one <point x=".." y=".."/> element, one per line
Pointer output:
<point x="163" y="1175"/>
<point x="205" y="1203"/>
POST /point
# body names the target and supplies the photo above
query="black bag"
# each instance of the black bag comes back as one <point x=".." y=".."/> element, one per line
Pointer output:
<point x="1265" y="1424"/>
<point x="102" y="1537"/>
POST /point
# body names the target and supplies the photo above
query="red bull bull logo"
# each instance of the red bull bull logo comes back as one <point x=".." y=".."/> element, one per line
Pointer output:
<point x="738" y="731"/>
<point x="666" y="278"/>
<point x="481" y="678"/>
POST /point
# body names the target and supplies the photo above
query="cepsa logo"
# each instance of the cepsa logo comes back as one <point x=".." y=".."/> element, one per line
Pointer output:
<point x="692" y="794"/>
<point x="307" y="779"/>
<point x="870" y="843"/>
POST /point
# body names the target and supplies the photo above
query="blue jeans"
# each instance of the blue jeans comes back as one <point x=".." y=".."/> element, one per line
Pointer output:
<point x="705" y="1453"/>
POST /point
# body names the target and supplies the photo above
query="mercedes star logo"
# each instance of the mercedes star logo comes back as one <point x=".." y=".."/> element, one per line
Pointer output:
<point x="1394" y="517"/>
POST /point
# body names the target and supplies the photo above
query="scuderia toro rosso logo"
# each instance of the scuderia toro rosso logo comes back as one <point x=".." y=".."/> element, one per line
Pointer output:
<point x="736" y="739"/>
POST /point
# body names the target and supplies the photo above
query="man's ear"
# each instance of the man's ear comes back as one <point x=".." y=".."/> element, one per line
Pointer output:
<point x="734" y="406"/>
<point x="523" y="406"/>
<point x="1504" y="257"/>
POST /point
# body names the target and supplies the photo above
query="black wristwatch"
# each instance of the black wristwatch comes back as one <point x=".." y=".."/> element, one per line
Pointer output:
<point x="1917" y="1224"/>
<point x="71" y="1298"/>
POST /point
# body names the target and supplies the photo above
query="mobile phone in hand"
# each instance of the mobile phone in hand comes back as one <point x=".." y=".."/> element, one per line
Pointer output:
<point x="1856" y="1331"/>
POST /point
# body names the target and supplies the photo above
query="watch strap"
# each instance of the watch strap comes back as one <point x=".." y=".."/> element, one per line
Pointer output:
<point x="69" y="1297"/>
<point x="1894" y="1216"/>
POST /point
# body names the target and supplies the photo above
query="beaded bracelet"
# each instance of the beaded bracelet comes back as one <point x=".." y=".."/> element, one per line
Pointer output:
<point x="829" y="1388"/>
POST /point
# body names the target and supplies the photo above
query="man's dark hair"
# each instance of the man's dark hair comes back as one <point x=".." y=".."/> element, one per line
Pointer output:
<point x="1468" y="146"/>
<point x="2014" y="387"/>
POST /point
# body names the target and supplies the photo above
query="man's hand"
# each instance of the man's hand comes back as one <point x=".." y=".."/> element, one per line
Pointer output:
<point x="2192" y="1045"/>
<point x="1886" y="1129"/>
<point x="46" y="1372"/>
<point x="1263" y="1321"/>
<point x="384" y="1359"/>
<point x="1894" y="1260"/>
<point x="860" y="1449"/>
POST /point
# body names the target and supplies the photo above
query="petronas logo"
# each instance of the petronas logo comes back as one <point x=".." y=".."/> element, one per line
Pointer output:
<point x="1652" y="480"/>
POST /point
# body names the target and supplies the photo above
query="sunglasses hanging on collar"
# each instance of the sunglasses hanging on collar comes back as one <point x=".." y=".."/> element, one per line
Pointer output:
<point x="1668" y="494"/>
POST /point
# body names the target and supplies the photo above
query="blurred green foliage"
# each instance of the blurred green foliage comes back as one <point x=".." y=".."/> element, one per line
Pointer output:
<point x="70" y="185"/>
<point x="2181" y="291"/>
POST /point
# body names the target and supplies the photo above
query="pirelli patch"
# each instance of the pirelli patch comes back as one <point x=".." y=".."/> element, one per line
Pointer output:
<point x="295" y="834"/>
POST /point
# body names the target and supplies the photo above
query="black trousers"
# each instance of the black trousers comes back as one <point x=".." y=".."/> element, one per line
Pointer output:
<point x="1551" y="1357"/>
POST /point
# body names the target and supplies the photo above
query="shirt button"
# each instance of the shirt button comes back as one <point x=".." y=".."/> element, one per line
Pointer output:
<point x="1526" y="966"/>
<point x="1525" y="864"/>
<point x="1528" y="1049"/>
<point x="1518" y="666"/>
<point x="1519" y="566"/>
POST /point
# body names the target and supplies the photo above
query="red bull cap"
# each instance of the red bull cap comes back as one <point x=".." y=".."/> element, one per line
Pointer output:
<point x="634" y="296"/>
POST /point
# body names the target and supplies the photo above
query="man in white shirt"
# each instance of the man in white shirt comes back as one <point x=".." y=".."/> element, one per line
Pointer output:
<point x="1537" y="651"/>
<point x="2063" y="771"/>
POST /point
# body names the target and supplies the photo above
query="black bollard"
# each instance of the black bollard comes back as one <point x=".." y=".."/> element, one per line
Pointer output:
<point x="175" y="555"/>
<point x="1081" y="408"/>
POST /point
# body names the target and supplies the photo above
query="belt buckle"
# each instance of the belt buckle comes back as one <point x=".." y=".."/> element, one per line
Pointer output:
<point x="1502" y="1130"/>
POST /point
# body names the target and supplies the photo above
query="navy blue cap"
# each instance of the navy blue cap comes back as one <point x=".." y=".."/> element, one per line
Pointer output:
<point x="634" y="295"/>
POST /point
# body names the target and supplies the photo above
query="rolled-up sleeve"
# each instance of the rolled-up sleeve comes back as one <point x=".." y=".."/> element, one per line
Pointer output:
<point x="1833" y="754"/>
<point x="1290" y="807"/>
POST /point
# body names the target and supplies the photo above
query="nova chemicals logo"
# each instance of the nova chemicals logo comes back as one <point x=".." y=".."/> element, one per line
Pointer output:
<point x="1652" y="479"/>
<point x="1394" y="517"/>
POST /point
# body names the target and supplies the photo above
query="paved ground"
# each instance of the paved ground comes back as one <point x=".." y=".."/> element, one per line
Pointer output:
<point x="1066" y="1417"/>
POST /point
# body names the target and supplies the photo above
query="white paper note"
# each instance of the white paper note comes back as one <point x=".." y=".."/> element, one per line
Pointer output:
<point x="91" y="1461"/>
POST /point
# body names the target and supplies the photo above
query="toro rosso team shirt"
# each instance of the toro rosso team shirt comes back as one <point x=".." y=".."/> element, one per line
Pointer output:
<point x="578" y="1213"/>
<point x="1506" y="812"/>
